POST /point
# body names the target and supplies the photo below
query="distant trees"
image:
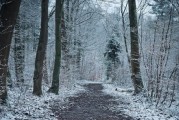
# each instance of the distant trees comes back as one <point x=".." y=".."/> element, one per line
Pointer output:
<point x="8" y="15"/>
<point x="162" y="8"/>
<point x="41" y="50"/>
<point x="77" y="17"/>
<point x="135" y="62"/>
<point x="71" y="42"/>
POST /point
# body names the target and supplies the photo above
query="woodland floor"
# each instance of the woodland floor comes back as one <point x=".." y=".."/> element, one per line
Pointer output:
<point x="91" y="104"/>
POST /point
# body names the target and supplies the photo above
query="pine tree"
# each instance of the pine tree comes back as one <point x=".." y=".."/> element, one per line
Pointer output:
<point x="112" y="58"/>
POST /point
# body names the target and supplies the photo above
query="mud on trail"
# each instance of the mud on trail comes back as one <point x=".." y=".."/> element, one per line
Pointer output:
<point x="92" y="104"/>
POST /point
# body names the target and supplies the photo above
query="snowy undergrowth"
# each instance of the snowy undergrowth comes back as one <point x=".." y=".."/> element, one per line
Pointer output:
<point x="83" y="82"/>
<point x="138" y="107"/>
<point x="22" y="105"/>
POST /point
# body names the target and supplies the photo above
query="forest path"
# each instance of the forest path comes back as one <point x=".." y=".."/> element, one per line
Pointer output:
<point x="92" y="104"/>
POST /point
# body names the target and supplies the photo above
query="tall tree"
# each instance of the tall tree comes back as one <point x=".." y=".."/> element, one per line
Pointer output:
<point x="77" y="40"/>
<point x="135" y="63"/>
<point x="19" y="52"/>
<point x="58" y="15"/>
<point x="38" y="72"/>
<point x="65" y="40"/>
<point x="8" y="15"/>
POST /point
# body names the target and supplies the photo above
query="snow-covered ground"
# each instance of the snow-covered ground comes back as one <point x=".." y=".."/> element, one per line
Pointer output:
<point x="138" y="106"/>
<point x="22" y="105"/>
<point x="83" y="82"/>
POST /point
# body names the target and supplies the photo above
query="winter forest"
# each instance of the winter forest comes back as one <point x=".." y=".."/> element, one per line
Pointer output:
<point x="89" y="60"/>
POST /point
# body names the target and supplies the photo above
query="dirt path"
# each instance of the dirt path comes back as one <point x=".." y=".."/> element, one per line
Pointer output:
<point x="92" y="104"/>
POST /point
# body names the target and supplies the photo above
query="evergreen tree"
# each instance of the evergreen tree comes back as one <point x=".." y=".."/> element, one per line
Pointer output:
<point x="112" y="58"/>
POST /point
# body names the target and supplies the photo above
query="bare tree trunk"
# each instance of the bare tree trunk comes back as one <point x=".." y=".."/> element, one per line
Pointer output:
<point x="9" y="79"/>
<point x="19" y="52"/>
<point x="58" y="15"/>
<point x="65" y="43"/>
<point x="45" y="72"/>
<point x="38" y="72"/>
<point x="78" y="42"/>
<point x="8" y="15"/>
<point x="123" y="10"/>
<point x="135" y="63"/>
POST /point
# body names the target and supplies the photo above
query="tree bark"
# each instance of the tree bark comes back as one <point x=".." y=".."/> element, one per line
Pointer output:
<point x="8" y="15"/>
<point x="45" y="71"/>
<point x="58" y="15"/>
<point x="38" y="72"/>
<point x="19" y="52"/>
<point x="135" y="63"/>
